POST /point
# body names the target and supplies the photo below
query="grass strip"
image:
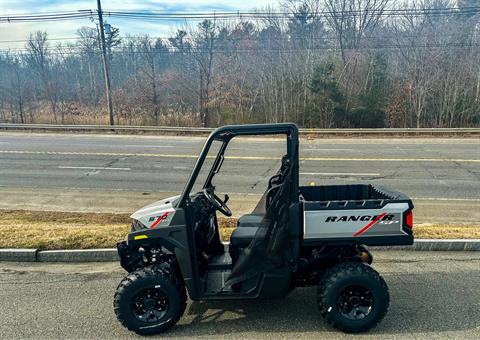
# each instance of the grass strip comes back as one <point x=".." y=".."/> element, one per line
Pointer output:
<point x="48" y="230"/>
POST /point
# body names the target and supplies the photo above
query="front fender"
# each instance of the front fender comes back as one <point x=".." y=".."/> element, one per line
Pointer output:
<point x="173" y="239"/>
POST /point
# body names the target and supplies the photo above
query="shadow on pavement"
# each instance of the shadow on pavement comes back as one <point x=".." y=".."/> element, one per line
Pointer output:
<point x="420" y="303"/>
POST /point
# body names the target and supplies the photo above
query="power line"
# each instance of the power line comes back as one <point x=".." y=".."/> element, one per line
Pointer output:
<point x="446" y="47"/>
<point x="156" y="15"/>
<point x="46" y="17"/>
<point x="253" y="38"/>
<point x="27" y="40"/>
<point x="40" y="13"/>
<point x="217" y="14"/>
<point x="289" y="15"/>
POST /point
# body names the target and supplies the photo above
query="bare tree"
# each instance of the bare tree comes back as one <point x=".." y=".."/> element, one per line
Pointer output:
<point x="204" y="39"/>
<point x="352" y="19"/>
<point x="37" y="57"/>
<point x="393" y="64"/>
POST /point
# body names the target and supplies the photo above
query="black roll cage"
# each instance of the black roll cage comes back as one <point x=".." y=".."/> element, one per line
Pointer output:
<point x="225" y="134"/>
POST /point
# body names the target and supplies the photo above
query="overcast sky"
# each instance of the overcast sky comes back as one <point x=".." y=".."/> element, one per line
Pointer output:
<point x="61" y="29"/>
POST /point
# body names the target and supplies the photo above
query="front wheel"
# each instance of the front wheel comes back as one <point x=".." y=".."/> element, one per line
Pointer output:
<point x="150" y="300"/>
<point x="352" y="297"/>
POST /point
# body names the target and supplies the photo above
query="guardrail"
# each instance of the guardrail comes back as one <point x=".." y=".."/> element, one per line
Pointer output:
<point x="203" y="131"/>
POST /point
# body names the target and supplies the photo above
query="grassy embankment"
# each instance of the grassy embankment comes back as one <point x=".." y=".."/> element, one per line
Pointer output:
<point x="63" y="230"/>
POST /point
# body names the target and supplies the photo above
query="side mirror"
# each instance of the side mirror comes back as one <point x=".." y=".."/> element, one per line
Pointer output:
<point x="226" y="198"/>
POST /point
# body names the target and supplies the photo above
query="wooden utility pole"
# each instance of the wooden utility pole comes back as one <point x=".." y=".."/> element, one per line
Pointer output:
<point x="106" y="71"/>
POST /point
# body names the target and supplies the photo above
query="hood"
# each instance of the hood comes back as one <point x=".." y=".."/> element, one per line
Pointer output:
<point x="159" y="212"/>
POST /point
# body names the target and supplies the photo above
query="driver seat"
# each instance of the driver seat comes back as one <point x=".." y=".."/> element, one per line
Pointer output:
<point x="240" y="239"/>
<point x="250" y="220"/>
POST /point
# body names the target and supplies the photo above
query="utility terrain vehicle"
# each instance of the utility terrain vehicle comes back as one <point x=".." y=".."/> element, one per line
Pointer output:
<point x="296" y="237"/>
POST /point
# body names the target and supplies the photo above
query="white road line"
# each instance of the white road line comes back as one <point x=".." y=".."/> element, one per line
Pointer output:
<point x="337" y="174"/>
<point x="148" y="146"/>
<point x="93" y="168"/>
<point x="166" y="193"/>
<point x="249" y="158"/>
<point x="326" y="149"/>
<point x="446" y="199"/>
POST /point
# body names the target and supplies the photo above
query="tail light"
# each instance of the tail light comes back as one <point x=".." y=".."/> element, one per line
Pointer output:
<point x="409" y="220"/>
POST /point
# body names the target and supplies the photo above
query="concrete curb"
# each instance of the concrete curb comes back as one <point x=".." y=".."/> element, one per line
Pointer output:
<point x="110" y="254"/>
<point x="21" y="255"/>
<point x="124" y="129"/>
<point x="439" y="245"/>
<point x="78" y="255"/>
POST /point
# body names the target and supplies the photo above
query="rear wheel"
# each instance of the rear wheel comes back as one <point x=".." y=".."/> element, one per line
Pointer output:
<point x="352" y="297"/>
<point x="150" y="300"/>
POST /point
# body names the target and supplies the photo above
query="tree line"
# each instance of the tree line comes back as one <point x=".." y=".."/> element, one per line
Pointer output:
<point x="323" y="63"/>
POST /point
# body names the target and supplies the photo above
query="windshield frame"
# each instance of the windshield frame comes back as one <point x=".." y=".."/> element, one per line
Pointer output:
<point x="217" y="164"/>
<point x="225" y="134"/>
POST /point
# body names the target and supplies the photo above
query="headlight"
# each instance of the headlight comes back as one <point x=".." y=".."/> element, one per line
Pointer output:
<point x="137" y="225"/>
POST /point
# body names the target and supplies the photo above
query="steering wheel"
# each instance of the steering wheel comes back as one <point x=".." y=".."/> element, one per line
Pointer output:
<point x="217" y="202"/>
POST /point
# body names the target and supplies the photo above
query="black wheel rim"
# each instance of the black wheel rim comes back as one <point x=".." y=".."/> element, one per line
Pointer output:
<point x="355" y="302"/>
<point x="150" y="305"/>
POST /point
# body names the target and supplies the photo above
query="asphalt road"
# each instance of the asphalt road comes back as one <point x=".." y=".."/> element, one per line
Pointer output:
<point x="36" y="165"/>
<point x="433" y="295"/>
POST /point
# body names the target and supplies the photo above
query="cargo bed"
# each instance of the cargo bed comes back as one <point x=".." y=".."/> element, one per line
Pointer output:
<point x="362" y="213"/>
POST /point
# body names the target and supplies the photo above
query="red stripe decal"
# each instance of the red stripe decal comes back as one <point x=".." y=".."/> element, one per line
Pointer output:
<point x="369" y="225"/>
<point x="160" y="219"/>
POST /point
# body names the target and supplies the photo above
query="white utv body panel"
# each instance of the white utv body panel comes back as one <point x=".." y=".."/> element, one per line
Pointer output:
<point x="156" y="214"/>
<point x="351" y="223"/>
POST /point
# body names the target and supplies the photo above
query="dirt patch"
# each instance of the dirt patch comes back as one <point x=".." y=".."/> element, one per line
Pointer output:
<point x="64" y="230"/>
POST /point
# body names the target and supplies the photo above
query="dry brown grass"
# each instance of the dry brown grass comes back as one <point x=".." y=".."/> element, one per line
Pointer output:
<point x="61" y="230"/>
<point x="447" y="231"/>
<point x="78" y="114"/>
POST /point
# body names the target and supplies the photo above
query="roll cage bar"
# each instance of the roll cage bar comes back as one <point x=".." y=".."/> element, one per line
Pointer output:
<point x="225" y="134"/>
